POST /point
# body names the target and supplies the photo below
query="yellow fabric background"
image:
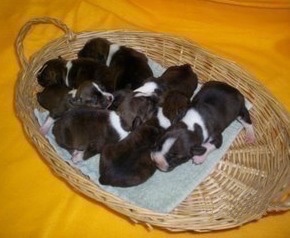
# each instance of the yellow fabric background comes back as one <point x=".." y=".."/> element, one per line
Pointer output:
<point x="33" y="201"/>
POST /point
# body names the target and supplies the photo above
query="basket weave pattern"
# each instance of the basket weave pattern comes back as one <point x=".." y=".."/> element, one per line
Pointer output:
<point x="247" y="183"/>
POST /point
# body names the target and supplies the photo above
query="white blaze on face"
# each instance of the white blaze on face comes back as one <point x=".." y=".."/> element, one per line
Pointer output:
<point x="159" y="156"/>
<point x="107" y="95"/>
<point x="115" y="121"/>
<point x="113" y="49"/>
<point x="193" y="117"/>
<point x="146" y="90"/>
<point x="68" y="67"/>
<point x="164" y="122"/>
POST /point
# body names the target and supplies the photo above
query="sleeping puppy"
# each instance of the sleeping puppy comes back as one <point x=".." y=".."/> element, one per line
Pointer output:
<point x="132" y="107"/>
<point x="199" y="131"/>
<point x="85" y="131"/>
<point x="174" y="105"/>
<point x="128" y="162"/>
<point x="91" y="94"/>
<point x="130" y="68"/>
<point x="74" y="72"/>
<point x="59" y="99"/>
<point x="178" y="78"/>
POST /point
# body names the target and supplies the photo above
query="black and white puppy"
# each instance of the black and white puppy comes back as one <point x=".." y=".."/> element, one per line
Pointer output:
<point x="85" y="131"/>
<point x="178" y="78"/>
<point x="199" y="131"/>
<point x="128" y="162"/>
<point x="129" y="67"/>
<point x="74" y="72"/>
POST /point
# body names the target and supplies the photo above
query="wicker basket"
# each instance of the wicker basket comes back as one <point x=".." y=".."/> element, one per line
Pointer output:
<point x="246" y="184"/>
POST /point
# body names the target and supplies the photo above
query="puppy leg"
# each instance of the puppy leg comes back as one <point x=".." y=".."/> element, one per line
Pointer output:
<point x="77" y="156"/>
<point x="214" y="143"/>
<point x="245" y="120"/>
<point x="46" y="125"/>
<point x="199" y="159"/>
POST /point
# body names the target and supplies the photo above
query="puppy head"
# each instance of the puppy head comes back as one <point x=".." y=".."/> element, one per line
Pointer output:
<point x="180" y="78"/>
<point x="151" y="87"/>
<point x="175" y="105"/>
<point x="53" y="72"/>
<point x="177" y="146"/>
<point x="92" y="94"/>
<point x="133" y="108"/>
<point x="97" y="49"/>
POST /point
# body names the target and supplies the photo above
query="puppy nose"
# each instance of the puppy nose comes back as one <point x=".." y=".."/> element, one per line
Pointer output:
<point x="159" y="161"/>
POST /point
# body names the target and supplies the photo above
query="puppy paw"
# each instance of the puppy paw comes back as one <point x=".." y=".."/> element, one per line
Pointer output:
<point x="77" y="156"/>
<point x="44" y="130"/>
<point x="198" y="159"/>
<point x="250" y="135"/>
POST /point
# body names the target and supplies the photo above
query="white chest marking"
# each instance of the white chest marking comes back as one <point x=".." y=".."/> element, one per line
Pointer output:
<point x="113" y="49"/>
<point x="167" y="145"/>
<point x="116" y="123"/>
<point x="68" y="67"/>
<point x="101" y="91"/>
<point x="193" y="117"/>
<point x="146" y="90"/>
<point x="163" y="121"/>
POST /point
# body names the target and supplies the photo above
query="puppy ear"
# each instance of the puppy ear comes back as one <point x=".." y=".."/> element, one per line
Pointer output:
<point x="197" y="150"/>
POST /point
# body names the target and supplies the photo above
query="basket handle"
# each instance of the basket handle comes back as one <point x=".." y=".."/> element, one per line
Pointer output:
<point x="26" y="28"/>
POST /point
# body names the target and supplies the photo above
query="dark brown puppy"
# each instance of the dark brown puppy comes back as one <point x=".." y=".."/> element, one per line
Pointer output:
<point x="58" y="99"/>
<point x="129" y="67"/>
<point x="85" y="131"/>
<point x="128" y="162"/>
<point x="133" y="107"/>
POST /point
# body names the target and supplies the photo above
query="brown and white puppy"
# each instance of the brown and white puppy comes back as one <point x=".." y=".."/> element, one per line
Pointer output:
<point x="85" y="131"/>
<point x="130" y="68"/>
<point x="199" y="131"/>
<point x="59" y="99"/>
<point x="178" y="78"/>
<point x="74" y="72"/>
<point x="128" y="162"/>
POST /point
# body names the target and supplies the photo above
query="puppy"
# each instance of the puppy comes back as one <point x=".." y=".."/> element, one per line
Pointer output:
<point x="130" y="67"/>
<point x="128" y="162"/>
<point x="174" y="105"/>
<point x="132" y="107"/>
<point x="199" y="131"/>
<point x="178" y="78"/>
<point x="91" y="94"/>
<point x="85" y="131"/>
<point x="74" y="72"/>
<point x="59" y="99"/>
